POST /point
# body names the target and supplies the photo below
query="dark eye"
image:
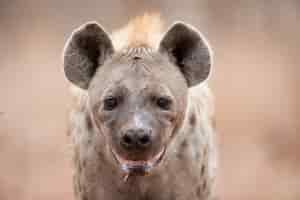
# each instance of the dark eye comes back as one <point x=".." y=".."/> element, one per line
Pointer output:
<point x="110" y="103"/>
<point x="163" y="103"/>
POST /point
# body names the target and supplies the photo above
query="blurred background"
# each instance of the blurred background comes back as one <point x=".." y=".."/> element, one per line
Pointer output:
<point x="256" y="82"/>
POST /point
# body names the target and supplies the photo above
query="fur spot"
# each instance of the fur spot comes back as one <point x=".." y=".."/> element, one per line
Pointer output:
<point x="192" y="119"/>
<point x="205" y="152"/>
<point x="184" y="144"/>
<point x="88" y="121"/>
<point x="202" y="170"/>
<point x="204" y="185"/>
<point x="84" y="163"/>
<point x="84" y="197"/>
<point x="198" y="191"/>
<point x="79" y="168"/>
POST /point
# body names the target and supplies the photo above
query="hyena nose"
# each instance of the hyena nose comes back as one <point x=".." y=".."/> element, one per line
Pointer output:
<point x="136" y="139"/>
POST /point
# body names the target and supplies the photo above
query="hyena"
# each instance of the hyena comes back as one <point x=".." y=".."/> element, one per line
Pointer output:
<point x="142" y="126"/>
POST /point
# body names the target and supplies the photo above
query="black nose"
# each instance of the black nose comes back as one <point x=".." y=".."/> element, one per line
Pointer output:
<point x="136" y="139"/>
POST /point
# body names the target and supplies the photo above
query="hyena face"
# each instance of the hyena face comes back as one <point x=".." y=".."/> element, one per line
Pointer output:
<point x="138" y="95"/>
<point x="136" y="107"/>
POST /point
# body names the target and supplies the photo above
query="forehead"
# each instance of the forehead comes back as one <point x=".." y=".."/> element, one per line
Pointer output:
<point x="135" y="77"/>
<point x="136" y="69"/>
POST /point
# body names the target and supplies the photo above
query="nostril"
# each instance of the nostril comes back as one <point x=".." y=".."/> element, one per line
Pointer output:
<point x="137" y="139"/>
<point x="127" y="140"/>
<point x="144" y="140"/>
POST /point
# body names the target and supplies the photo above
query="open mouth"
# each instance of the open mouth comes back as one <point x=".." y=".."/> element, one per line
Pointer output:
<point x="139" y="167"/>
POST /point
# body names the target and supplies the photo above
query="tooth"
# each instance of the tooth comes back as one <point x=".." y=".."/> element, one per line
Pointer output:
<point x="125" y="178"/>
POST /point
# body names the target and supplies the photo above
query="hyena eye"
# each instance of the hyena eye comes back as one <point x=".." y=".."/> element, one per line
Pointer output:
<point x="163" y="103"/>
<point x="110" y="103"/>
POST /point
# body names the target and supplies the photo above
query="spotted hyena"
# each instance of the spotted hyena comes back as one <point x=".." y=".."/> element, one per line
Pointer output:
<point x="142" y="125"/>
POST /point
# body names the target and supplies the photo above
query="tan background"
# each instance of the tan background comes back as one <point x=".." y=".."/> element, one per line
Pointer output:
<point x="256" y="79"/>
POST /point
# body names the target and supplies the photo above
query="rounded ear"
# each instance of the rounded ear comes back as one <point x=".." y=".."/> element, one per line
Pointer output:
<point x="87" y="49"/>
<point x="189" y="51"/>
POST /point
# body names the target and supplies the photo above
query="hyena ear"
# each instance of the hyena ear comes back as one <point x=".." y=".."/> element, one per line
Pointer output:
<point x="188" y="50"/>
<point x="87" y="49"/>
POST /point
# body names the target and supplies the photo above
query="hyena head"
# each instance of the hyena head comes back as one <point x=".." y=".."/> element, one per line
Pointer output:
<point x="137" y="95"/>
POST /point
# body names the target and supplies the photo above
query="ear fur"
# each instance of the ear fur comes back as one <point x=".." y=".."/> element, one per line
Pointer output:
<point x="86" y="50"/>
<point x="189" y="51"/>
